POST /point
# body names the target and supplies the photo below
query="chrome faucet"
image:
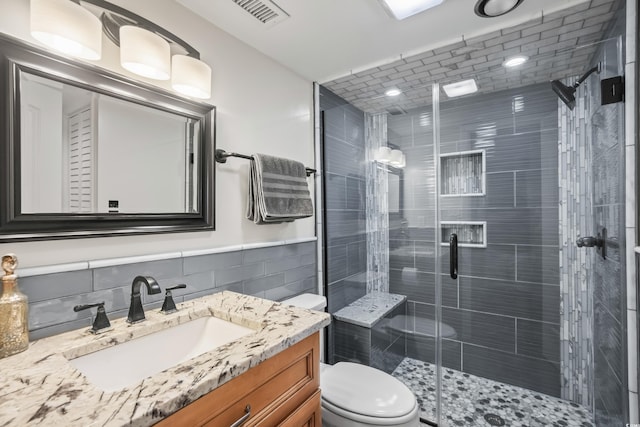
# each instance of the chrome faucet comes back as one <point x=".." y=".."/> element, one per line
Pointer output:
<point x="136" y="312"/>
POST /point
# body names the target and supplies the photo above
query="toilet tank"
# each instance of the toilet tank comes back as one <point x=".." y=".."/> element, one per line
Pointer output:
<point x="310" y="301"/>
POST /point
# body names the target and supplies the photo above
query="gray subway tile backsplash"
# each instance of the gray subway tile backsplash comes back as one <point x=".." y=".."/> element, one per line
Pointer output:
<point x="236" y="274"/>
<point x="58" y="285"/>
<point x="121" y="275"/>
<point x="198" y="264"/>
<point x="52" y="296"/>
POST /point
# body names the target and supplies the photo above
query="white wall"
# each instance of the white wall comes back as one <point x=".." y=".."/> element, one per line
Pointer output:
<point x="261" y="107"/>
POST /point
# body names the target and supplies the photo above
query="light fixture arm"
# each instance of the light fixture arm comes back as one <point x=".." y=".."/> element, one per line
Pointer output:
<point x="113" y="17"/>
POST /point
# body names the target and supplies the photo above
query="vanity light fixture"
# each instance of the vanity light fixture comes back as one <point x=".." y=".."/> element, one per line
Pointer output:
<point x="144" y="53"/>
<point x="401" y="9"/>
<point x="67" y="27"/>
<point x="393" y="92"/>
<point x="190" y="76"/>
<point x="395" y="158"/>
<point x="73" y="27"/>
<point x="383" y="155"/>
<point x="515" y="61"/>
<point x="398" y="159"/>
<point x="493" y="8"/>
<point x="464" y="87"/>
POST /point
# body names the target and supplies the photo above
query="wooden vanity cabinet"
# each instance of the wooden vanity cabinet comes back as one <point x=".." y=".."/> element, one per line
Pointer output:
<point x="281" y="391"/>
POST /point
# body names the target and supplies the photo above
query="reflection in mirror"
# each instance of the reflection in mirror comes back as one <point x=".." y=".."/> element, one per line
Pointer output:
<point x="85" y="152"/>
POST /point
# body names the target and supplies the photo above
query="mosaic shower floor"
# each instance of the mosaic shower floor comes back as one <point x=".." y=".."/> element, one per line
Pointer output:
<point x="474" y="401"/>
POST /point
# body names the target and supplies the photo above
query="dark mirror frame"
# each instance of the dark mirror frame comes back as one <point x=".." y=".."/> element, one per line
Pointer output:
<point x="17" y="56"/>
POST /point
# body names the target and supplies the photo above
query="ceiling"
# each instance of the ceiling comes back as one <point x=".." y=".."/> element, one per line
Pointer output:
<point x="323" y="40"/>
<point x="359" y="59"/>
<point x="559" y="45"/>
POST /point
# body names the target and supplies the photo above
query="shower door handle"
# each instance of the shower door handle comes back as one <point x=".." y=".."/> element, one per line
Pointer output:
<point x="453" y="256"/>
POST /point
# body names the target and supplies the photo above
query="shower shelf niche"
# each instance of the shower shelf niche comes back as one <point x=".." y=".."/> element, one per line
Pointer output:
<point x="472" y="234"/>
<point x="463" y="173"/>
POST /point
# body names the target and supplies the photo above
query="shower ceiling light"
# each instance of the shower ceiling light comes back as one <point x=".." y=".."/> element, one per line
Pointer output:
<point x="464" y="87"/>
<point x="514" y="61"/>
<point x="401" y="9"/>
<point x="393" y="92"/>
<point x="493" y="8"/>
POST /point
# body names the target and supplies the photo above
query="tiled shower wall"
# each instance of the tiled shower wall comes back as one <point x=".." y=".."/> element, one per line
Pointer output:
<point x="345" y="207"/>
<point x="505" y="306"/>
<point x="345" y="234"/>
<point x="599" y="128"/>
<point x="594" y="332"/>
<point x="274" y="272"/>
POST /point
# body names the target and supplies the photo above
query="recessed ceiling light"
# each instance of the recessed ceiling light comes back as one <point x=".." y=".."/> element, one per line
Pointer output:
<point x="393" y="92"/>
<point x="493" y="8"/>
<point x="464" y="87"/>
<point x="514" y="61"/>
<point x="401" y="9"/>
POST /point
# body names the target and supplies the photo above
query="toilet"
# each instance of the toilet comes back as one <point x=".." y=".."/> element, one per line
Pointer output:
<point x="355" y="395"/>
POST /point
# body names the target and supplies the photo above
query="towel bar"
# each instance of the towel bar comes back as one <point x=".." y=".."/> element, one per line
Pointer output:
<point x="221" y="157"/>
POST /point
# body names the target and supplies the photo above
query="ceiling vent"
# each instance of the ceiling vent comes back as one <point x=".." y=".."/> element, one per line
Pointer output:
<point x="264" y="11"/>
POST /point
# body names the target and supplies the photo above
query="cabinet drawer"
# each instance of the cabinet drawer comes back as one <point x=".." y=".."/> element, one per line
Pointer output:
<point x="307" y="415"/>
<point x="274" y="388"/>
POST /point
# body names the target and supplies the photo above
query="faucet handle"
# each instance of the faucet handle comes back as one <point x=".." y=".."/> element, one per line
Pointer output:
<point x="101" y="322"/>
<point x="169" y="306"/>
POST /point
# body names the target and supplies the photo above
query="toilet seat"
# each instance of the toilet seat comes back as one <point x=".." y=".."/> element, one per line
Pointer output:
<point x="367" y="395"/>
<point x="366" y="420"/>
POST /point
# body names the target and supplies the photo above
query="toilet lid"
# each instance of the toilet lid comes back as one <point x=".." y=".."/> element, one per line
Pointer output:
<point x="367" y="391"/>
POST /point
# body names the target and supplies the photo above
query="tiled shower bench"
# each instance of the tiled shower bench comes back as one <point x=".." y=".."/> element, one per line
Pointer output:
<point x="363" y="335"/>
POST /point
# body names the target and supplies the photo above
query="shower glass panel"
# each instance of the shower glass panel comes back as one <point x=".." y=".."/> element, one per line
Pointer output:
<point x="527" y="317"/>
<point x="498" y="187"/>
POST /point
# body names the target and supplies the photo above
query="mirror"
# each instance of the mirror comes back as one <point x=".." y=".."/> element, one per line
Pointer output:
<point x="91" y="153"/>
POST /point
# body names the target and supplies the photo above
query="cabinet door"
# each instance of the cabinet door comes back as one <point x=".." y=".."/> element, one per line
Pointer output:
<point x="307" y="415"/>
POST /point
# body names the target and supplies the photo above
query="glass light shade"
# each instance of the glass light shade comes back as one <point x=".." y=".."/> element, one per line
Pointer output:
<point x="190" y="77"/>
<point x="396" y="158"/>
<point x="403" y="162"/>
<point x="144" y="53"/>
<point x="67" y="27"/>
<point x="383" y="155"/>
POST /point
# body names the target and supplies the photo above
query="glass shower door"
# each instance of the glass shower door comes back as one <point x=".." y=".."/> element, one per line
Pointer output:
<point x="520" y="177"/>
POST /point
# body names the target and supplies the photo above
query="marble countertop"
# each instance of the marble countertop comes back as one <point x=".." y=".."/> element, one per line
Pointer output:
<point x="369" y="309"/>
<point x="40" y="387"/>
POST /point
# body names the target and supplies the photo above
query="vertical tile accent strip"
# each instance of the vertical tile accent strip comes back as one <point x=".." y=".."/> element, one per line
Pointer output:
<point x="377" y="212"/>
<point x="576" y="207"/>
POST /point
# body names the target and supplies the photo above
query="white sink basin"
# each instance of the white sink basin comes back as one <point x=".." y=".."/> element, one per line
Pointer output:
<point x="127" y="364"/>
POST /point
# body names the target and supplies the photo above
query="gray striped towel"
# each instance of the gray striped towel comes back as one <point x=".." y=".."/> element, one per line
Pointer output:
<point x="278" y="190"/>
